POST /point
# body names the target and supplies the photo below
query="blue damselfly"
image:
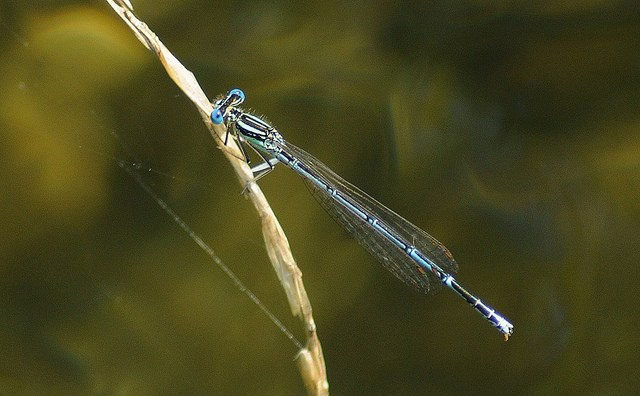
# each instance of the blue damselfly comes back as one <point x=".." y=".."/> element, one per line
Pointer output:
<point x="412" y="255"/>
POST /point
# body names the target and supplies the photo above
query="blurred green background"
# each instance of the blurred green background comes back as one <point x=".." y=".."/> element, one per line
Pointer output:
<point x="511" y="132"/>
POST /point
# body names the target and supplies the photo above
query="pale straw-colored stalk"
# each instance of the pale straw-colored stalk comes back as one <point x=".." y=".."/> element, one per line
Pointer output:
<point x="310" y="359"/>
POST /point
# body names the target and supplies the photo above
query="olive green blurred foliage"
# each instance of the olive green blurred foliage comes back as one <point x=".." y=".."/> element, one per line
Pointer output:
<point x="510" y="132"/>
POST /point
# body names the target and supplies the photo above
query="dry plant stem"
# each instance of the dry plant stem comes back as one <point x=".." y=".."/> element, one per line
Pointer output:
<point x="310" y="358"/>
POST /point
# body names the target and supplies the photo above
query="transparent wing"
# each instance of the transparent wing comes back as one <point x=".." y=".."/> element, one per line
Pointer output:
<point x="391" y="255"/>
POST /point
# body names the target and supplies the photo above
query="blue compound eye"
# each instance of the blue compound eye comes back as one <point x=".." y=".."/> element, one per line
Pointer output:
<point x="216" y="116"/>
<point x="237" y="92"/>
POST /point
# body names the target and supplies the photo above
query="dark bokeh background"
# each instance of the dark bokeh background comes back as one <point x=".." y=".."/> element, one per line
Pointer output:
<point x="509" y="132"/>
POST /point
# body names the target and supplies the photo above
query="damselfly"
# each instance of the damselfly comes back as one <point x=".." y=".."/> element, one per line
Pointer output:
<point x="412" y="255"/>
